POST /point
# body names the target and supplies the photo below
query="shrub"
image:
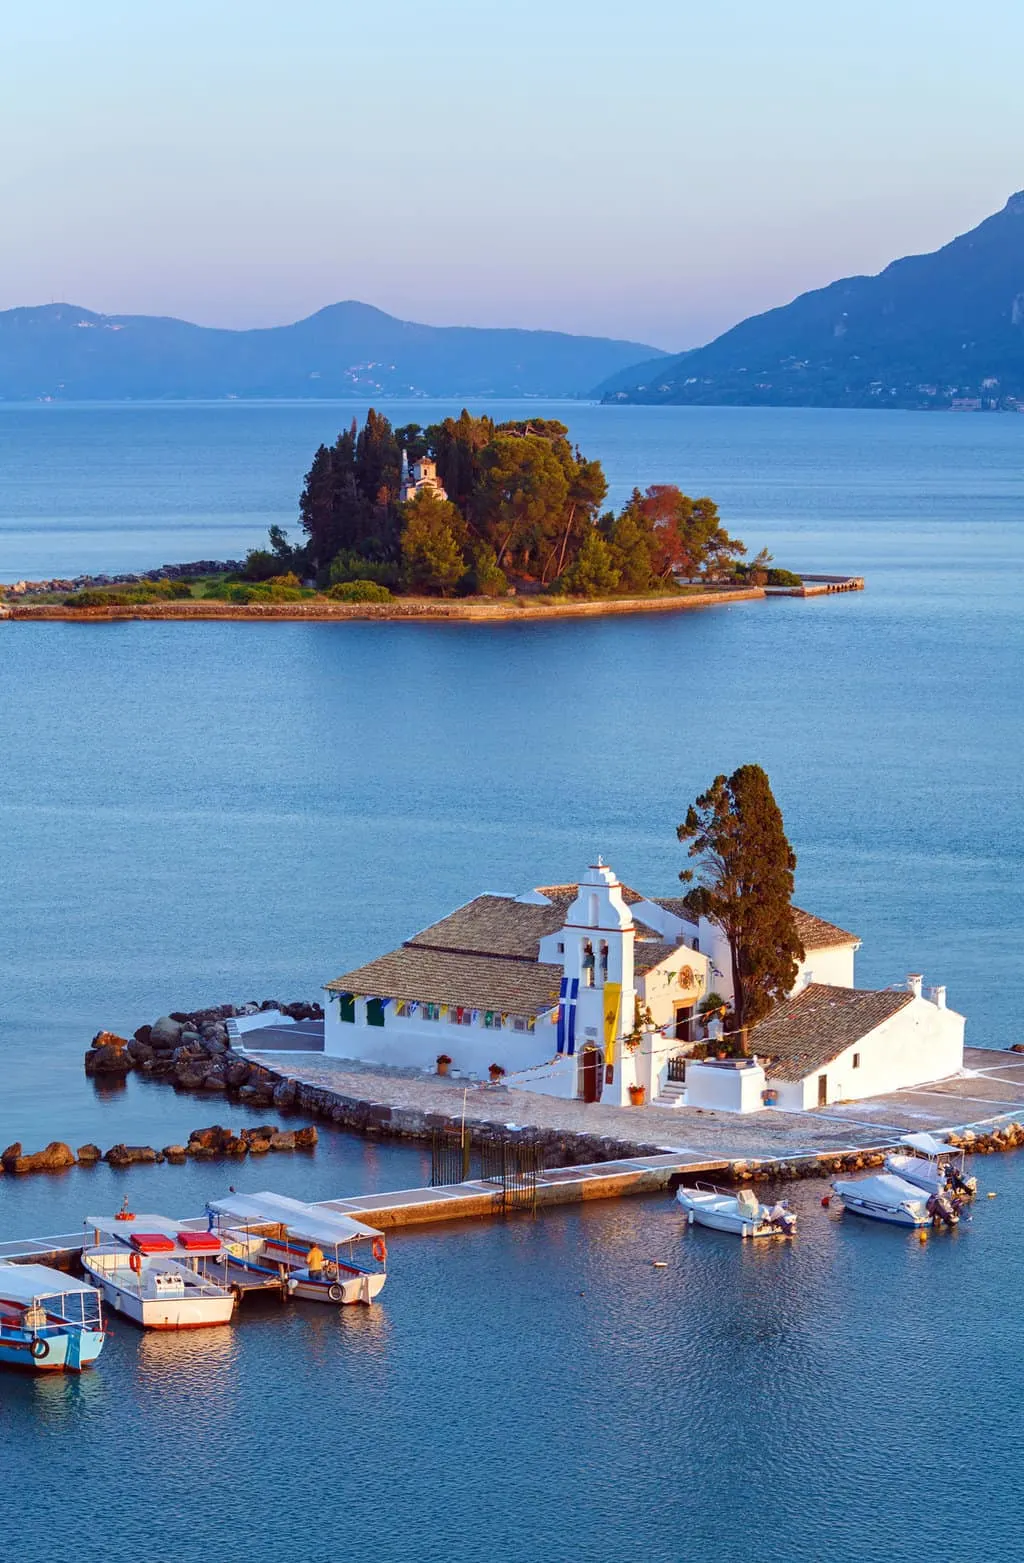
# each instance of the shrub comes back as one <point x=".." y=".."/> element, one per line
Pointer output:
<point x="360" y="591"/>
<point x="261" y="565"/>
<point x="484" y="577"/>
<point x="593" y="574"/>
<point x="783" y="578"/>
<point x="351" y="566"/>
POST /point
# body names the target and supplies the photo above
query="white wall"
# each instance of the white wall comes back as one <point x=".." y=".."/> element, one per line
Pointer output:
<point x="414" y="1043"/>
<point x="832" y="965"/>
<point x="724" y="1087"/>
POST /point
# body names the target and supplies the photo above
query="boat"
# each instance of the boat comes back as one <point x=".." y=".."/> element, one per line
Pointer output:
<point x="271" y="1232"/>
<point x="49" y="1322"/>
<point x="885" y="1197"/>
<point x="153" y="1271"/>
<point x="737" y="1211"/>
<point x="933" y="1165"/>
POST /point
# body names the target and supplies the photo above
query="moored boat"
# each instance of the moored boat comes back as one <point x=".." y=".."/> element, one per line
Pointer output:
<point x="152" y="1271"/>
<point x="49" y="1322"/>
<point x="737" y="1211"/>
<point x="932" y="1165"/>
<point x="885" y="1197"/>
<point x="271" y="1232"/>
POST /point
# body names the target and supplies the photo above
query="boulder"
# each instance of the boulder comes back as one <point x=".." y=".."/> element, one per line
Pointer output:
<point x="214" y="1082"/>
<point x="285" y="1093"/>
<point x="174" y="1153"/>
<point x="306" y="1139"/>
<point x="236" y="1073"/>
<point x="284" y="1140"/>
<point x="258" y="1147"/>
<point x="108" y="1055"/>
<point x="54" y="1158"/>
<point x="89" y="1155"/>
<point x="165" y="1033"/>
<point x="143" y="1034"/>
<point x="180" y="1017"/>
<point x="140" y="1052"/>
<point x="129" y="1155"/>
<point x="235" y="1146"/>
<point x="210" y="1139"/>
<point x="190" y="1037"/>
<point x="260" y="1131"/>
<point x="256" y="1094"/>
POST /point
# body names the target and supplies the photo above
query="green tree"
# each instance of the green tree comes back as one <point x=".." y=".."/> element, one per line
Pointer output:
<point x="521" y="498"/>
<point x="592" y="574"/>
<point x="316" y="507"/>
<point x="483" y="578"/>
<point x="431" y="544"/>
<point x="745" y="886"/>
<point x="630" y="545"/>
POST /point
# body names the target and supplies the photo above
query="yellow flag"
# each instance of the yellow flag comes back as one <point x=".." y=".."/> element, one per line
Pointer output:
<point x="612" y="1000"/>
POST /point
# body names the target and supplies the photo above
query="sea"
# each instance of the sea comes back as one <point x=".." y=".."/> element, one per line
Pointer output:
<point x="194" y="813"/>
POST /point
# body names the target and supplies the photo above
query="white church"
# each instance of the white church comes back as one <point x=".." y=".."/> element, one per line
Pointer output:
<point x="594" y="991"/>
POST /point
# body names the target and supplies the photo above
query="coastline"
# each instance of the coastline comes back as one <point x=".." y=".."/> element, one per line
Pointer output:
<point x="402" y="608"/>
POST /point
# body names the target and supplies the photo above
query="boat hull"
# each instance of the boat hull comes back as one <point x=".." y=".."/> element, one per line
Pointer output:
<point x="719" y="1217"/>
<point x="161" y="1313"/>
<point x="878" y="1200"/>
<point x="67" y="1351"/>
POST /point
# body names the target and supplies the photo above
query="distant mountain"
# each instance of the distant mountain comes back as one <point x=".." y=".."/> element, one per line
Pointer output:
<point x="929" y="331"/>
<point x="346" y="350"/>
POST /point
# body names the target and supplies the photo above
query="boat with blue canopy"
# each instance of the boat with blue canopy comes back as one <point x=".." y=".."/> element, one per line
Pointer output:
<point x="313" y="1245"/>
<point x="49" y="1322"/>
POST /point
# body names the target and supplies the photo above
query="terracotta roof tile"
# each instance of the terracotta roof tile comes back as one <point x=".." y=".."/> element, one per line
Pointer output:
<point x="816" y="934"/>
<point x="806" y="1032"/>
<point x="647" y="953"/>
<point x="493" y="925"/>
<point x="440" y="977"/>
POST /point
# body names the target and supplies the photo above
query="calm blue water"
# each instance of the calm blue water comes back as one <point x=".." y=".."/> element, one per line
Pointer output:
<point x="192" y="813"/>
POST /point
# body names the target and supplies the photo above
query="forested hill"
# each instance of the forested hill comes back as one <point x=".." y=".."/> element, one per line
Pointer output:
<point x="351" y="349"/>
<point x="929" y="331"/>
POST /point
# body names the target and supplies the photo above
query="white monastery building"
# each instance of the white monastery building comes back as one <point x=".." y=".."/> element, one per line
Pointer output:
<point x="588" y="990"/>
<point x="420" y="478"/>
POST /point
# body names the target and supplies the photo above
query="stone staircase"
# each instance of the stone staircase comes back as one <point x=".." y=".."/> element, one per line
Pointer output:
<point x="673" y="1094"/>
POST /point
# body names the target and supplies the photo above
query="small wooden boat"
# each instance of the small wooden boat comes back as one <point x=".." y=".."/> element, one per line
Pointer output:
<point x="736" y="1211"/>
<point x="153" y="1272"/>
<point x="49" y="1322"/>
<point x="932" y="1165"/>
<point x="270" y="1232"/>
<point x="885" y="1197"/>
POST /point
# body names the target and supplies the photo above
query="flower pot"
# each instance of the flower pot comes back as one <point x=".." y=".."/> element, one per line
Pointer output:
<point x="443" y="1065"/>
<point x="496" y="1073"/>
<point x="637" y="1095"/>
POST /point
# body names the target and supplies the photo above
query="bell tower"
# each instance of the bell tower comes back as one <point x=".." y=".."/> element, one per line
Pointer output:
<point x="598" y="962"/>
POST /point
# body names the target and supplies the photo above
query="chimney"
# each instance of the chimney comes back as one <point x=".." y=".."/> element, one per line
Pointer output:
<point x="938" y="997"/>
<point x="914" y="981"/>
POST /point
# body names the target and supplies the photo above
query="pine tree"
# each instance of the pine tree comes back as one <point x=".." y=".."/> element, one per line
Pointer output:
<point x="593" y="574"/>
<point x="431" y="544"/>
<point x="745" y="886"/>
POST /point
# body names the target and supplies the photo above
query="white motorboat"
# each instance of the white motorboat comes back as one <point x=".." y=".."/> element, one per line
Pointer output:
<point x="152" y="1271"/>
<point x="737" y="1211"/>
<point x="932" y="1165"/>
<point x="49" y="1322"/>
<point x="270" y="1233"/>
<point x="885" y="1197"/>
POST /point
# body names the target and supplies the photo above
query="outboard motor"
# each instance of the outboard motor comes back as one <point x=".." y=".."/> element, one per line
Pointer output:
<point x="943" y="1210"/>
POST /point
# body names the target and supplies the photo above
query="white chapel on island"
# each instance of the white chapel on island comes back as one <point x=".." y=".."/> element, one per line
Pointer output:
<point x="586" y="990"/>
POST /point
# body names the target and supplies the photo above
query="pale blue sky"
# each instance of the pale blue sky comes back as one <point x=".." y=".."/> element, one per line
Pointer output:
<point x="652" y="168"/>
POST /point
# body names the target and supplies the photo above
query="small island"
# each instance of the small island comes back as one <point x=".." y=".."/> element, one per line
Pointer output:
<point x="466" y="518"/>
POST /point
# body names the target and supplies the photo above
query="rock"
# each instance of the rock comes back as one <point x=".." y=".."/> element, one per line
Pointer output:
<point x="165" y="1033"/>
<point x="143" y="1034"/>
<point x="140" y="1052"/>
<point x="235" y="1146"/>
<point x="190" y="1038"/>
<point x="129" y="1155"/>
<point x="89" y="1155"/>
<point x="260" y="1131"/>
<point x="214" y="1082"/>
<point x="174" y="1153"/>
<point x="283" y="1141"/>
<point x="108" y="1055"/>
<point x="256" y="1095"/>
<point x="190" y="1079"/>
<point x="180" y="1017"/>
<point x="211" y="1138"/>
<point x="285" y="1093"/>
<point x="236" y="1073"/>
<point x="54" y="1158"/>
<point x="306" y="1139"/>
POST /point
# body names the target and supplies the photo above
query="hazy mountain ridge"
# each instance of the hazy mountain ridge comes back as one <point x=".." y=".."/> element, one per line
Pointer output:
<point x="929" y="331"/>
<point x="64" y="352"/>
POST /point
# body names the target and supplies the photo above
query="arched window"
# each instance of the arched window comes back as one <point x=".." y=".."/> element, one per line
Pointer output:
<point x="587" y="964"/>
<point x="602" y="962"/>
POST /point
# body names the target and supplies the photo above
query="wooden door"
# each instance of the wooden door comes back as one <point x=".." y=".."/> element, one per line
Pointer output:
<point x="593" y="1069"/>
<point x="822" y="1090"/>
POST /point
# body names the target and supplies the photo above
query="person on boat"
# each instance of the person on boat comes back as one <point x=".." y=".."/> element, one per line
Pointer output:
<point x="315" y="1261"/>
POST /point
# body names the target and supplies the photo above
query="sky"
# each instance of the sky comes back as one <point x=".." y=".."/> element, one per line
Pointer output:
<point x="651" y="169"/>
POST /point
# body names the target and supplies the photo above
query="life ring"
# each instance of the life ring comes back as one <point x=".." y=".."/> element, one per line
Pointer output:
<point x="380" y="1250"/>
<point x="335" y="1292"/>
<point x="330" y="1269"/>
<point x="135" y="1262"/>
<point x="40" y="1348"/>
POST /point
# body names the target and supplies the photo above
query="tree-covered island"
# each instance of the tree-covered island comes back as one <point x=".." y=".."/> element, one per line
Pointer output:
<point x="507" y="508"/>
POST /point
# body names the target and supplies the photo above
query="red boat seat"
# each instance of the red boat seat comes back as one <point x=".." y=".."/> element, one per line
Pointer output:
<point x="200" y="1242"/>
<point x="152" y="1243"/>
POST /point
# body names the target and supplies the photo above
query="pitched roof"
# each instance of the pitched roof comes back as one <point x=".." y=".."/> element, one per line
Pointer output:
<point x="816" y="934"/>
<point x="493" y="925"/>
<point x="647" y="953"/>
<point x="431" y="976"/>
<point x="806" y="1032"/>
<point x="675" y="905"/>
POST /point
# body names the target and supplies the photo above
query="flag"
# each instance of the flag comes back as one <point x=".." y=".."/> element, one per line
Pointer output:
<point x="574" y="989"/>
<point x="562" y="992"/>
<point x="612" y="999"/>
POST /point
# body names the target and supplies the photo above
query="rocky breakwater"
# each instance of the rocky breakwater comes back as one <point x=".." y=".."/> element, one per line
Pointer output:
<point x="61" y="585"/>
<point x="193" y="1052"/>
<point x="974" y="1142"/>
<point x="203" y="1145"/>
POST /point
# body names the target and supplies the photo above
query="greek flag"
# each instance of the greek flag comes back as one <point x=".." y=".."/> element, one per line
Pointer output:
<point x="574" y="989"/>
<point x="562" y="993"/>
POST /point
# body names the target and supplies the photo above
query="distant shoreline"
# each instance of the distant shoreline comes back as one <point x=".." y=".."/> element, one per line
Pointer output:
<point x="407" y="608"/>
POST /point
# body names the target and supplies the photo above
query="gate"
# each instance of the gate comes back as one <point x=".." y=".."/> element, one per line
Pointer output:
<point x="514" y="1165"/>
<point x="449" y="1157"/>
<point x="677" y="1068"/>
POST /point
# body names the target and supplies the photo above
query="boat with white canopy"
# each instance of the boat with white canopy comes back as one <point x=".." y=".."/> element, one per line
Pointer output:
<point x="265" y="1232"/>
<point x="933" y="1165"/>
<point x="885" y="1197"/>
<point x="737" y="1211"/>
<point x="49" y="1322"/>
<point x="153" y="1271"/>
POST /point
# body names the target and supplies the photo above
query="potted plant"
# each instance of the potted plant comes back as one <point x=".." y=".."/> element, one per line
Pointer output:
<point x="444" y="1063"/>
<point x="496" y="1072"/>
<point x="637" y="1095"/>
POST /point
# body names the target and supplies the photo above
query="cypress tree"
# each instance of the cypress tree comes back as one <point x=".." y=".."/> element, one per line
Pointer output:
<point x="745" y="886"/>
